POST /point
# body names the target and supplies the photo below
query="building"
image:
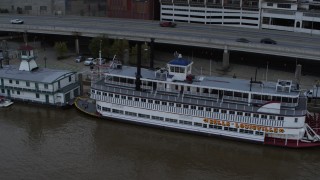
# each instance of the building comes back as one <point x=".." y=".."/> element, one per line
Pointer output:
<point x="34" y="7"/>
<point x="287" y="15"/>
<point x="29" y="83"/>
<point x="133" y="9"/>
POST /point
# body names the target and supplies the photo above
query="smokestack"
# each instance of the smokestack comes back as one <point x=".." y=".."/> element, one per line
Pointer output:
<point x="151" y="53"/>
<point x="138" y="74"/>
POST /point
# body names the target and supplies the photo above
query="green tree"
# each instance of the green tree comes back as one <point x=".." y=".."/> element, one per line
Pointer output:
<point x="118" y="47"/>
<point x="94" y="46"/>
<point x="145" y="54"/>
<point x="61" y="48"/>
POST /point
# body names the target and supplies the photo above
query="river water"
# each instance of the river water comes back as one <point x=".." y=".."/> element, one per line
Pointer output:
<point x="45" y="143"/>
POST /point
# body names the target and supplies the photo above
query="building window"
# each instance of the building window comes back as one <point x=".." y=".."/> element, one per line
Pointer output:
<point x="37" y="95"/>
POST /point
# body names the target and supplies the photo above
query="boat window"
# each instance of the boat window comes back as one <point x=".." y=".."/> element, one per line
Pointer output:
<point x="110" y="95"/>
<point x="171" y="104"/>
<point x="130" y="113"/>
<point x="263" y="116"/>
<point x="143" y="100"/>
<point x="171" y="69"/>
<point x="214" y="91"/>
<point x="117" y="111"/>
<point x="10" y="81"/>
<point x="215" y="110"/>
<point x="37" y="95"/>
<point x="208" y="109"/>
<point x="198" y="89"/>
<point x="27" y="83"/>
<point x="150" y="101"/>
<point x="247" y="114"/>
<point x="240" y="113"/>
<point x="116" y="96"/>
<point x="2" y="90"/>
<point x="171" y="120"/>
<point x="99" y="92"/>
<point x="280" y="118"/>
<point x="256" y="115"/>
<point x="295" y="120"/>
<point x="231" y="112"/>
<point x="295" y="100"/>
<point x="105" y="94"/>
<point x="106" y="109"/>
<point x="136" y="99"/>
<point x="204" y="125"/>
<point x="228" y="93"/>
<point x="223" y="111"/>
<point x="130" y="81"/>
<point x="116" y="79"/>
<point x="272" y="117"/>
<point x="164" y="103"/>
<point x="188" y="88"/>
<point x="178" y="105"/>
<point x="200" y="108"/>
<point x="205" y="90"/>
<point x="186" y="106"/>
<point x="256" y="96"/>
<point x="130" y="98"/>
<point x="123" y="97"/>
<point x="193" y="107"/>
<point x="157" y="102"/>
<point x="237" y="94"/>
<point x="17" y="82"/>
<point x="197" y="124"/>
<point x="18" y="92"/>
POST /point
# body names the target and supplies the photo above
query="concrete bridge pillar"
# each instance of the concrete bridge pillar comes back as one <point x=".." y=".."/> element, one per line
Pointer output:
<point x="77" y="45"/>
<point x="225" y="60"/>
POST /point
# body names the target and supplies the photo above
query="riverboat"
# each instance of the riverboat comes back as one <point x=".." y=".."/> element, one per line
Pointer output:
<point x="32" y="84"/>
<point x="271" y="113"/>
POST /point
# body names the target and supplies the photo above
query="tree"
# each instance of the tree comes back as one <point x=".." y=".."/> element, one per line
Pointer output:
<point x="145" y="54"/>
<point x="61" y="48"/>
<point x="118" y="48"/>
<point x="94" y="46"/>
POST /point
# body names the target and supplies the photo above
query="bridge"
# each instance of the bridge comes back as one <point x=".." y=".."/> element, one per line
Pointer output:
<point x="289" y="44"/>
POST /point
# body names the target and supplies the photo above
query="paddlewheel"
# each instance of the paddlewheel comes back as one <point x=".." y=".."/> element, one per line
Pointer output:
<point x="313" y="120"/>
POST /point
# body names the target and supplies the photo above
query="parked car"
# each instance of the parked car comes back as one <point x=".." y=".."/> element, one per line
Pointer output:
<point x="89" y="61"/>
<point x="243" y="40"/>
<point x="79" y="59"/>
<point x="167" y="24"/>
<point x="268" y="41"/>
<point x="16" y="21"/>
<point x="97" y="61"/>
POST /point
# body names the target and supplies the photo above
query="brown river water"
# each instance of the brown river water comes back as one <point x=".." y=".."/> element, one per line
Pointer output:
<point x="45" y="143"/>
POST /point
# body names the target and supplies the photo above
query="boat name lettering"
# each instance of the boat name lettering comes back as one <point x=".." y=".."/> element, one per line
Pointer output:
<point x="244" y="126"/>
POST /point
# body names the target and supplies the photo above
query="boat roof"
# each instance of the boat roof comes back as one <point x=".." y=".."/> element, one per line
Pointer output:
<point x="180" y="61"/>
<point x="214" y="82"/>
<point x="41" y="75"/>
